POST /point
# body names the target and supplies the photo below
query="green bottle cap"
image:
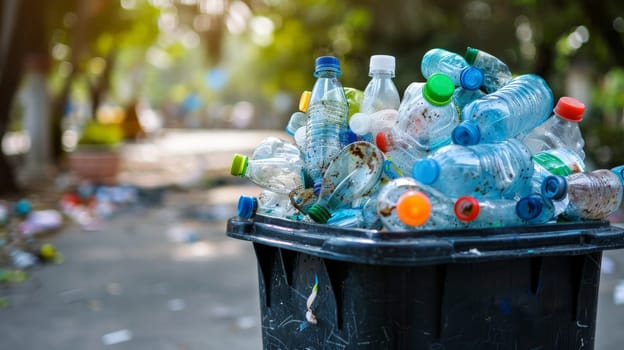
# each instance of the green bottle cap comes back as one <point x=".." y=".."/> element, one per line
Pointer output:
<point x="439" y="89"/>
<point x="319" y="213"/>
<point x="239" y="165"/>
<point x="471" y="55"/>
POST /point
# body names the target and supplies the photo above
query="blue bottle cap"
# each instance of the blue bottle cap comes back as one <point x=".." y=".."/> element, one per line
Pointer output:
<point x="466" y="133"/>
<point x="426" y="170"/>
<point x="319" y="213"/>
<point x="554" y="187"/>
<point x="247" y="206"/>
<point x="529" y="207"/>
<point x="327" y="63"/>
<point x="619" y="171"/>
<point x="471" y="78"/>
<point x="317" y="187"/>
<point x="23" y="207"/>
<point x="352" y="137"/>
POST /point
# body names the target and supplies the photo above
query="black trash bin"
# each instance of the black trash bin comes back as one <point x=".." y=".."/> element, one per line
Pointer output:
<point x="530" y="287"/>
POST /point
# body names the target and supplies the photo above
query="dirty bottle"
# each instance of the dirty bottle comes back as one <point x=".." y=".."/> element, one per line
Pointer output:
<point x="350" y="175"/>
<point x="452" y="65"/>
<point x="499" y="170"/>
<point x="512" y="111"/>
<point x="591" y="195"/>
<point x="267" y="203"/>
<point x="462" y="96"/>
<point x="370" y="124"/>
<point x="364" y="216"/>
<point x="495" y="72"/>
<point x="561" y="130"/>
<point x="327" y="127"/>
<point x="531" y="209"/>
<point x="279" y="175"/>
<point x="404" y="204"/>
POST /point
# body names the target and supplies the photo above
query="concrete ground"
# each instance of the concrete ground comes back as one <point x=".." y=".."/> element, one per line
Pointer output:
<point x="165" y="276"/>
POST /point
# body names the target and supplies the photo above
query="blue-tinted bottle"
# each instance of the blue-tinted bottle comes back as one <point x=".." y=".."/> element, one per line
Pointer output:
<point x="351" y="174"/>
<point x="404" y="204"/>
<point x="495" y="72"/>
<point x="512" y="111"/>
<point x="327" y="127"/>
<point x="359" y="217"/>
<point x="462" y="97"/>
<point x="531" y="209"/>
<point x="452" y="65"/>
<point x="498" y="170"/>
<point x="589" y="196"/>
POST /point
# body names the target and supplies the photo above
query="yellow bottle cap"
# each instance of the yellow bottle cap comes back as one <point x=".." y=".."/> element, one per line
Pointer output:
<point x="413" y="208"/>
<point x="304" y="100"/>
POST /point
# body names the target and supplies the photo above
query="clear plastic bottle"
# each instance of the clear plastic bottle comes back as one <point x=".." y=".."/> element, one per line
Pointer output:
<point x="300" y="118"/>
<point x="363" y="124"/>
<point x="424" y="124"/>
<point x="273" y="147"/>
<point x="512" y="111"/>
<point x="495" y="72"/>
<point x="462" y="97"/>
<point x="404" y="204"/>
<point x="532" y="209"/>
<point x="558" y="161"/>
<point x="351" y="174"/>
<point x="380" y="93"/>
<point x="267" y="203"/>
<point x="327" y="127"/>
<point x="561" y="130"/>
<point x="360" y="217"/>
<point x="452" y="65"/>
<point x="279" y="175"/>
<point x="498" y="170"/>
<point x="413" y="90"/>
<point x="592" y="195"/>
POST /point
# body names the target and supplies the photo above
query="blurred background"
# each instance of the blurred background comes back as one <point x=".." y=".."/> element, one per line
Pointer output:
<point x="177" y="86"/>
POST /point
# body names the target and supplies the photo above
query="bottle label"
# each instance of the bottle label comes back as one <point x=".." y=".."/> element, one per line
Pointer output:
<point x="556" y="165"/>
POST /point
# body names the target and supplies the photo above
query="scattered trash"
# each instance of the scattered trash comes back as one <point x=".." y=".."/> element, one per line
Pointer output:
<point x="21" y="259"/>
<point x="618" y="293"/>
<point x="310" y="317"/>
<point x="117" y="337"/>
<point x="176" y="305"/>
<point x="40" y="221"/>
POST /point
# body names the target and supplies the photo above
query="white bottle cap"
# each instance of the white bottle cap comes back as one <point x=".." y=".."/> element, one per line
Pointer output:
<point x="382" y="63"/>
<point x="360" y="123"/>
<point x="300" y="137"/>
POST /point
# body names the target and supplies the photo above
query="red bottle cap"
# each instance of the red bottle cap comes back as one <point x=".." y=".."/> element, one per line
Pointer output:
<point x="380" y="140"/>
<point x="466" y="208"/>
<point x="570" y="109"/>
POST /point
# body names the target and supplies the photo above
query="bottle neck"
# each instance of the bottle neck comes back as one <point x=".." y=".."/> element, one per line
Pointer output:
<point x="331" y="74"/>
<point x="381" y="74"/>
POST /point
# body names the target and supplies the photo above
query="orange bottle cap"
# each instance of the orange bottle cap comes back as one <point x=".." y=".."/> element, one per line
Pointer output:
<point x="413" y="208"/>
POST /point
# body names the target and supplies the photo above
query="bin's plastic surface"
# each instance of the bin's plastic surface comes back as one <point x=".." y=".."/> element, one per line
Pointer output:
<point x="530" y="287"/>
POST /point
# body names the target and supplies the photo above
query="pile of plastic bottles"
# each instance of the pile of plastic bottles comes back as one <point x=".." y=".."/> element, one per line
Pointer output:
<point x="471" y="147"/>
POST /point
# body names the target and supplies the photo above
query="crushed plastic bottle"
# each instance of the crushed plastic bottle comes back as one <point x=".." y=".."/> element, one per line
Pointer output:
<point x="404" y="204"/>
<point x="350" y="175"/>
<point x="561" y="130"/>
<point x="512" y="111"/>
<point x="452" y="65"/>
<point x="327" y="126"/>
<point x="590" y="196"/>
<point x="279" y="175"/>
<point x="495" y="72"/>
<point x="500" y="170"/>
<point x="273" y="147"/>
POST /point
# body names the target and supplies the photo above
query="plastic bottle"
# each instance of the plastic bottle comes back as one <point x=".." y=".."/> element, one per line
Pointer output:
<point x="380" y="93"/>
<point x="452" y="65"/>
<point x="352" y="174"/>
<point x="279" y="175"/>
<point x="462" y="97"/>
<point x="558" y="161"/>
<point x="327" y="126"/>
<point x="515" y="109"/>
<point x="499" y="170"/>
<point x="413" y="90"/>
<point x="592" y="195"/>
<point x="495" y="72"/>
<point x="370" y="124"/>
<point x="404" y="204"/>
<point x="273" y="147"/>
<point x="361" y="217"/>
<point x="424" y="124"/>
<point x="299" y="118"/>
<point x="267" y="203"/>
<point x="561" y="130"/>
<point x="532" y="209"/>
